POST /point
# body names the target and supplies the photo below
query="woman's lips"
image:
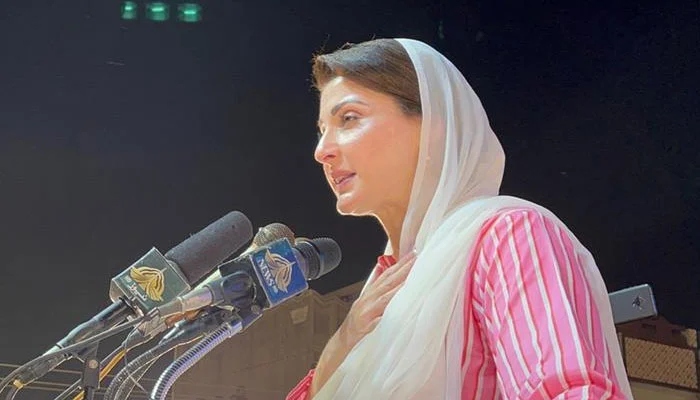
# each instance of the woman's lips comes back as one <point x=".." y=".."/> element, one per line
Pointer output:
<point x="343" y="181"/>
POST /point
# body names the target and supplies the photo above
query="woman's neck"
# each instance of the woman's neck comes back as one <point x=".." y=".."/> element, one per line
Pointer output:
<point x="393" y="224"/>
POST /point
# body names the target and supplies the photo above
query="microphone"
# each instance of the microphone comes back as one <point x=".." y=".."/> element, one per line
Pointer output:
<point x="265" y="277"/>
<point x="269" y="234"/>
<point x="279" y="272"/>
<point x="153" y="280"/>
<point x="151" y="327"/>
<point x="323" y="254"/>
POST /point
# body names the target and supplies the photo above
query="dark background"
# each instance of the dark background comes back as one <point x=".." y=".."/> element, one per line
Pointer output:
<point x="116" y="136"/>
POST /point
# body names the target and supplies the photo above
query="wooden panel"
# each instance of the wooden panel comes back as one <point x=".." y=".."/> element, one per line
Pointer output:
<point x="661" y="363"/>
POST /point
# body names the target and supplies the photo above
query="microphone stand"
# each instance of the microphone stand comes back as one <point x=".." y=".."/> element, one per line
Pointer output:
<point x="91" y="373"/>
<point x="104" y="365"/>
<point x="101" y="323"/>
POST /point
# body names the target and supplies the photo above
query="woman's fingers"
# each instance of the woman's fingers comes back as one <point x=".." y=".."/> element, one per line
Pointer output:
<point x="382" y="301"/>
<point x="391" y="277"/>
<point x="367" y="311"/>
<point x="405" y="260"/>
<point x="374" y="306"/>
<point x="376" y="301"/>
<point x="373" y="324"/>
<point x="408" y="258"/>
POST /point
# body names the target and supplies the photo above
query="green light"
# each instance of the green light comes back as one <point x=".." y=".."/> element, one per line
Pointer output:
<point x="129" y="10"/>
<point x="157" y="11"/>
<point x="189" y="12"/>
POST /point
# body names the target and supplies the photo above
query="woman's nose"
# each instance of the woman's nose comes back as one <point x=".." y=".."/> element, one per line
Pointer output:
<point x="326" y="149"/>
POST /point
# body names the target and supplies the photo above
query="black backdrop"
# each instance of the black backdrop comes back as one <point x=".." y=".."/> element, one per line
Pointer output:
<point x="117" y="136"/>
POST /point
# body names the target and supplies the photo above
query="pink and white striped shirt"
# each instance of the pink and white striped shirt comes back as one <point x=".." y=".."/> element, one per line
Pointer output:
<point x="531" y="325"/>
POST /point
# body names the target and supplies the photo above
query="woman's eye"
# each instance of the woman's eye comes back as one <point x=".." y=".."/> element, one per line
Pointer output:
<point x="349" y="117"/>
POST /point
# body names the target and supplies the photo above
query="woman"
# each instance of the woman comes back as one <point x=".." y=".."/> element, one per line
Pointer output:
<point x="492" y="297"/>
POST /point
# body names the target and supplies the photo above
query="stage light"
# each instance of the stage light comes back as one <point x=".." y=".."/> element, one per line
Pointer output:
<point x="157" y="11"/>
<point x="189" y="12"/>
<point x="129" y="10"/>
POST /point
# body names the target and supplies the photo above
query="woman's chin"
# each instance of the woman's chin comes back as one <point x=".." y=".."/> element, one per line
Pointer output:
<point x="348" y="205"/>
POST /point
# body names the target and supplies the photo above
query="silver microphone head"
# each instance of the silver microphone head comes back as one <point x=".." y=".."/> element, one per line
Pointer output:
<point x="272" y="232"/>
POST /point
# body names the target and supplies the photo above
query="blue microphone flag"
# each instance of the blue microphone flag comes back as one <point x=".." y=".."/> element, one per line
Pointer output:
<point x="278" y="271"/>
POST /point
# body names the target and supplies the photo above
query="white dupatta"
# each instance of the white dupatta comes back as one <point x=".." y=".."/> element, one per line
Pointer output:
<point x="415" y="350"/>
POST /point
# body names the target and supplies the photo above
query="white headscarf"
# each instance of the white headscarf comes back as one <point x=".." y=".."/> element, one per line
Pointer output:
<point x="415" y="351"/>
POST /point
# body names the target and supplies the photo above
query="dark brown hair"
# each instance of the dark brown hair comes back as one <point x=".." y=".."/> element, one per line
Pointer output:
<point x="382" y="65"/>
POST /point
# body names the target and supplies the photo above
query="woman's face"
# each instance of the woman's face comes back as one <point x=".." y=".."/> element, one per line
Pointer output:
<point x="368" y="148"/>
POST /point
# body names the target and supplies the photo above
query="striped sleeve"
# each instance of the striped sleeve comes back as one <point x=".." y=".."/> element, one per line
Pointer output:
<point x="301" y="390"/>
<point x="536" y="310"/>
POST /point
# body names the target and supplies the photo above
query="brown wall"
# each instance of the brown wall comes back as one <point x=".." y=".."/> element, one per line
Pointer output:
<point x="267" y="360"/>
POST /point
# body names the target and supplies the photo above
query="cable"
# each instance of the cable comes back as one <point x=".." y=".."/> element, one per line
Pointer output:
<point x="69" y="349"/>
<point x="192" y="356"/>
<point x="184" y="332"/>
<point x="12" y="393"/>
<point x="56" y="387"/>
<point x="124" y="382"/>
<point x="110" y="365"/>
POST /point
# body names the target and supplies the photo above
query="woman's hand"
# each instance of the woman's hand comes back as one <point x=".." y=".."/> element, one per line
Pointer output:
<point x="363" y="317"/>
<point x="367" y="310"/>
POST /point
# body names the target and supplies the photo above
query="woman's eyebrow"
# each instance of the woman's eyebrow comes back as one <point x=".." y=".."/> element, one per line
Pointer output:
<point x="338" y="106"/>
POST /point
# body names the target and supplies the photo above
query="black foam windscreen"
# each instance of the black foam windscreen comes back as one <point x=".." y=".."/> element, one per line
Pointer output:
<point x="202" y="252"/>
<point x="322" y="255"/>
